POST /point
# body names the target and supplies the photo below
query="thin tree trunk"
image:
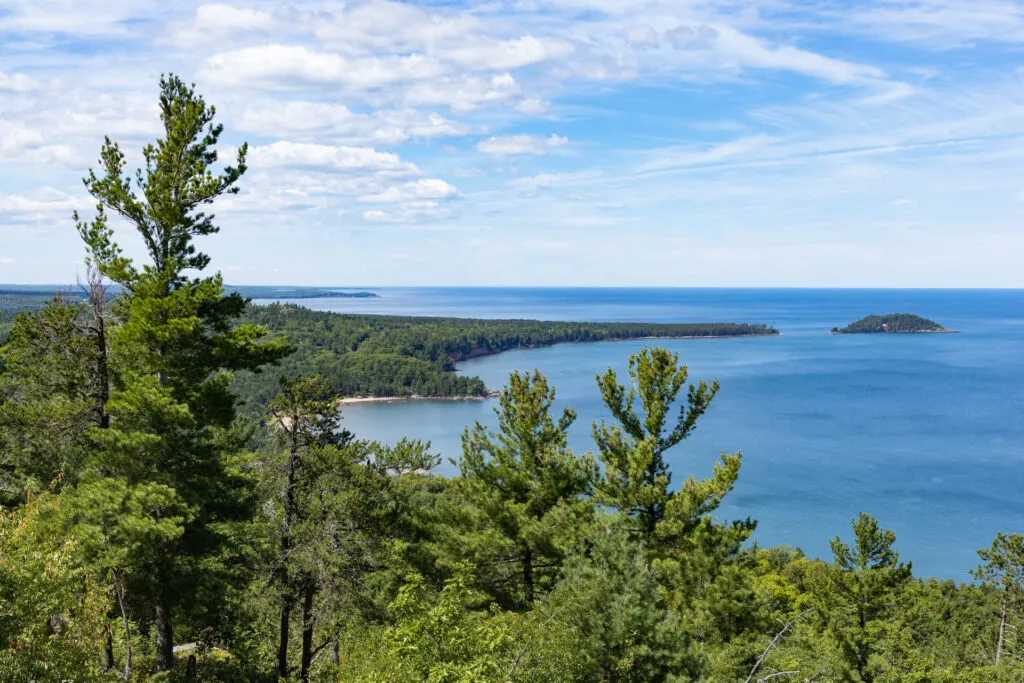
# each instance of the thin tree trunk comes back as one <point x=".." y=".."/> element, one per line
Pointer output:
<point x="287" y="601"/>
<point x="108" y="649"/>
<point x="309" y="592"/>
<point x="1002" y="630"/>
<point x="282" y="647"/>
<point x="527" y="562"/>
<point x="164" y="636"/>
<point x="119" y="591"/>
<point x="98" y="302"/>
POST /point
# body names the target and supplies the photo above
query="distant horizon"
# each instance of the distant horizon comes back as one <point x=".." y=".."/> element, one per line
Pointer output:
<point x="350" y="288"/>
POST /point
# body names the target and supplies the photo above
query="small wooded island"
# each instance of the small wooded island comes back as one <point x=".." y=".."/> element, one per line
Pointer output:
<point x="901" y="323"/>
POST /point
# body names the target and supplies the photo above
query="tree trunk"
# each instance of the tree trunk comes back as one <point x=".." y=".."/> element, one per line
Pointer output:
<point x="164" y="636"/>
<point x="309" y="592"/>
<point x="108" y="649"/>
<point x="119" y="594"/>
<point x="527" y="562"/>
<point x="282" y="647"/>
<point x="1002" y="630"/>
<point x="98" y="302"/>
<point x="287" y="601"/>
<point x="862" y="645"/>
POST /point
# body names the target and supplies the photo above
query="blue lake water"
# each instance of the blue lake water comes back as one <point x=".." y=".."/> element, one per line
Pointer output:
<point x="926" y="432"/>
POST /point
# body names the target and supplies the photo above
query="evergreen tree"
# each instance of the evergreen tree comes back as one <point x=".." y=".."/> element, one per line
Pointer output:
<point x="175" y="345"/>
<point x="529" y="487"/>
<point x="306" y="415"/>
<point x="48" y="397"/>
<point x="1003" y="569"/>
<point x="858" y="594"/>
<point x="636" y="477"/>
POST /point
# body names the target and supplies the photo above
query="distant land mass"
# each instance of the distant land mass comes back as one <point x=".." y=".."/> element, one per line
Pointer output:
<point x="270" y="292"/>
<point x="15" y="299"/>
<point x="896" y="323"/>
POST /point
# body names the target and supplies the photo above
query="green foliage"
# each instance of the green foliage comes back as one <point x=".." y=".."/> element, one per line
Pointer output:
<point x="529" y="489"/>
<point x="858" y="602"/>
<point x="441" y="641"/>
<point x="893" y="322"/>
<point x="48" y="398"/>
<point x="52" y="607"/>
<point x="617" y="612"/>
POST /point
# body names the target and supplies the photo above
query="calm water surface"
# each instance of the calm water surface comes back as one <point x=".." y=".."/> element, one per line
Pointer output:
<point x="926" y="432"/>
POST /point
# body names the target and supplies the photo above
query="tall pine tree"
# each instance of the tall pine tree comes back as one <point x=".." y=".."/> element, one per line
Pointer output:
<point x="176" y="341"/>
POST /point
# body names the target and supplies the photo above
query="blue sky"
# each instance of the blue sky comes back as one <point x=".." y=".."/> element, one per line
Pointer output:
<point x="877" y="143"/>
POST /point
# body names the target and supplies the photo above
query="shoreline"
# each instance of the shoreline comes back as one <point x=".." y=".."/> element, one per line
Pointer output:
<point x="481" y="353"/>
<point x="355" y="400"/>
<point x="493" y="393"/>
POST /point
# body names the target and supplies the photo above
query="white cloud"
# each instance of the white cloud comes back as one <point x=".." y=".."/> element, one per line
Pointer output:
<point x="323" y="120"/>
<point x="330" y="158"/>
<point x="463" y="93"/>
<point x="16" y="82"/>
<point x="641" y="35"/>
<point x="397" y="27"/>
<point x="688" y="157"/>
<point x="504" y="55"/>
<point x="515" y="145"/>
<point x="749" y="51"/>
<point x="533" y="107"/>
<point x="289" y="66"/>
<point x="410" y="212"/>
<point x="424" y="189"/>
<point x="220" y="18"/>
<point x="22" y="145"/>
<point x="6" y="260"/>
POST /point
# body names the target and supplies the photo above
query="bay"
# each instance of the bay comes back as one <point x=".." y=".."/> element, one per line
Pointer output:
<point x="926" y="432"/>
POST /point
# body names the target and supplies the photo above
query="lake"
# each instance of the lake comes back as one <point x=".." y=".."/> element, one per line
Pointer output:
<point x="926" y="432"/>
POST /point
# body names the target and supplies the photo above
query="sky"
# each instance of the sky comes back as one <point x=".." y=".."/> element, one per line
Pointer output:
<point x="784" y="143"/>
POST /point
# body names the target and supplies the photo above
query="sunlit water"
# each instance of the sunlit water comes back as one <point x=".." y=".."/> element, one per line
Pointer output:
<point x="926" y="432"/>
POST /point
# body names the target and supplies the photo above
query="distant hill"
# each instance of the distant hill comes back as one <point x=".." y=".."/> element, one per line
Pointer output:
<point x="891" y="323"/>
<point x="278" y="293"/>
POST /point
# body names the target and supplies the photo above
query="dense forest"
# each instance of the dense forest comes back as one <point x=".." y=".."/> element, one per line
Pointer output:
<point x="372" y="355"/>
<point x="893" y="322"/>
<point x="150" y="532"/>
<point x="23" y="299"/>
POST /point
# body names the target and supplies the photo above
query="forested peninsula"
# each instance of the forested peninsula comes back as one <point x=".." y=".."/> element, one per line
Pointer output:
<point x="395" y="356"/>
<point x="893" y="323"/>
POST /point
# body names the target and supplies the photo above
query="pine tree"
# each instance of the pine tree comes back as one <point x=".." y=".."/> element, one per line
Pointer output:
<point x="636" y="477"/>
<point x="1004" y="570"/>
<point x="49" y="398"/>
<point x="175" y="344"/>
<point x="306" y="415"/>
<point x="858" y="594"/>
<point x="527" y="484"/>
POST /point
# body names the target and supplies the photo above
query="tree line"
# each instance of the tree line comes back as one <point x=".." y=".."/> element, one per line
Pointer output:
<point x="149" y="531"/>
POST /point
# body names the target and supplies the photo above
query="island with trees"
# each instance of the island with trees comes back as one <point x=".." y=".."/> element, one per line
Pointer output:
<point x="150" y="532"/>
<point x="893" y="323"/>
